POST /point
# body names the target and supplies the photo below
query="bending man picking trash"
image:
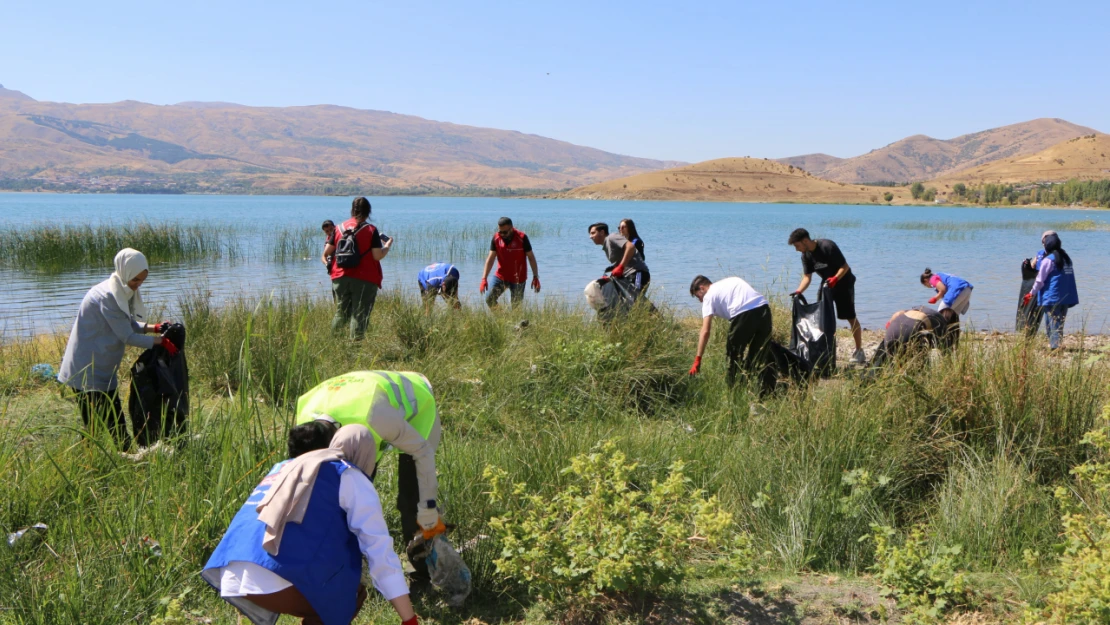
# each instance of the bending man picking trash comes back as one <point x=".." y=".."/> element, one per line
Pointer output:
<point x="825" y="258"/>
<point x="749" y="329"/>
<point x="401" y="412"/>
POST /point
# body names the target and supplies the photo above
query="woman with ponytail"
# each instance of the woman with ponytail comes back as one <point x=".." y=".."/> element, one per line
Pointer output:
<point x="1055" y="289"/>
<point x="952" y="291"/>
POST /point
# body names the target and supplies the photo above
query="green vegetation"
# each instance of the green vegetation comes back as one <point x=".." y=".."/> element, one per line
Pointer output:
<point x="1073" y="192"/>
<point x="917" y="190"/>
<point x="923" y="579"/>
<point x="450" y="242"/>
<point x="966" y="446"/>
<point x="888" y="196"/>
<point x="54" y="248"/>
<point x="930" y="194"/>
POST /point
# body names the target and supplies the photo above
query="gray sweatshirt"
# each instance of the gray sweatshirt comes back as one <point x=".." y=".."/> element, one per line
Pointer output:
<point x="96" y="344"/>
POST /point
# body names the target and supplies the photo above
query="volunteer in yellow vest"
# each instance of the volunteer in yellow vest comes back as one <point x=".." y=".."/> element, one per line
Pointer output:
<point x="401" y="412"/>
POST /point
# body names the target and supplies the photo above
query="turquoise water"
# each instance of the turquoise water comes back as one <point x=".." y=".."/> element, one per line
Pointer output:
<point x="887" y="247"/>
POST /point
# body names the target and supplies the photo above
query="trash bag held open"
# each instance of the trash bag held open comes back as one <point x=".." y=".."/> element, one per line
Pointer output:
<point x="1028" y="317"/>
<point x="159" y="401"/>
<point x="611" y="297"/>
<point x="813" y="335"/>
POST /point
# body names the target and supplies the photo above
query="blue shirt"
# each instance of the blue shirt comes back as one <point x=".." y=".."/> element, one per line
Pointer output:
<point x="432" y="276"/>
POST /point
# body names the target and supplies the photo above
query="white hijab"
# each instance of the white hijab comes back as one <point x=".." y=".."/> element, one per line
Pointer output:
<point x="129" y="263"/>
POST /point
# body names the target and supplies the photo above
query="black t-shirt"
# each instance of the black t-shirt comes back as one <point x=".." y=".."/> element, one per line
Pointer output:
<point x="825" y="260"/>
<point x="527" y="244"/>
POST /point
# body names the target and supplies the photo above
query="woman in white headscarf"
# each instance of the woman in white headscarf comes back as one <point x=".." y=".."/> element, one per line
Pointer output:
<point x="111" y="317"/>
<point x="296" y="546"/>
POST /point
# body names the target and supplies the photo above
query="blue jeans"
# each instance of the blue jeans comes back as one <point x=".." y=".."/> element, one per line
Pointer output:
<point x="1054" y="317"/>
<point x="497" y="288"/>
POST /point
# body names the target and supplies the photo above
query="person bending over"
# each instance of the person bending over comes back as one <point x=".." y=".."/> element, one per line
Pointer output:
<point x="439" y="279"/>
<point x="916" y="329"/>
<point x="824" y="258"/>
<point x="952" y="291"/>
<point x="749" y="327"/>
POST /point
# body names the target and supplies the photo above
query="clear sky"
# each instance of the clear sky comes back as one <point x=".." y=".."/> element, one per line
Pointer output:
<point x="683" y="81"/>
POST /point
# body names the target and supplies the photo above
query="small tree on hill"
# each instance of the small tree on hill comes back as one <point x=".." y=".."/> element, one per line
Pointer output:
<point x="930" y="194"/>
<point x="959" y="189"/>
<point x="916" y="190"/>
<point x="888" y="196"/>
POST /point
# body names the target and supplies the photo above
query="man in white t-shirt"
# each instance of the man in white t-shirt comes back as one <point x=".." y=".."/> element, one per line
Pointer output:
<point x="749" y="327"/>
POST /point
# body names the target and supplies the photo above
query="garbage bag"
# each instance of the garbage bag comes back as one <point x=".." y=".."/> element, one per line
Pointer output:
<point x="1028" y="317"/>
<point x="787" y="363"/>
<point x="448" y="571"/>
<point x="611" y="297"/>
<point x="813" y="335"/>
<point x="158" y="403"/>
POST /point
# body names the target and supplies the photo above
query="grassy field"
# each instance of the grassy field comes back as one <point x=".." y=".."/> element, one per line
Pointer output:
<point x="970" y="445"/>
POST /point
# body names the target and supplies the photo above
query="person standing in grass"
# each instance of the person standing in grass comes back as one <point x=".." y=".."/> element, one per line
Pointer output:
<point x="625" y="261"/>
<point x="824" y="258"/>
<point x="400" y="410"/>
<point x="439" y="279"/>
<point x="356" y="275"/>
<point x="511" y="248"/>
<point x="749" y="329"/>
<point x="1055" y="287"/>
<point x="111" y="317"/>
<point x="952" y="291"/>
<point x="329" y="235"/>
<point x="296" y="545"/>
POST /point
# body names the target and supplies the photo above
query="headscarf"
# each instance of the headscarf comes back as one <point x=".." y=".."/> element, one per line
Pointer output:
<point x="1051" y="242"/>
<point x="288" y="498"/>
<point x="129" y="263"/>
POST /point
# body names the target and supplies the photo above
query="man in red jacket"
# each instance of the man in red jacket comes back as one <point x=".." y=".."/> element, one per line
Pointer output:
<point x="510" y="247"/>
<point x="356" y="273"/>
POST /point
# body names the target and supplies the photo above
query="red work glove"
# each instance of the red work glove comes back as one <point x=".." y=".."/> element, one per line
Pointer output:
<point x="933" y="300"/>
<point x="618" y="271"/>
<point x="411" y="621"/>
<point x="795" y="294"/>
<point x="168" y="345"/>
<point x="697" y="365"/>
<point x="536" y="284"/>
<point x="483" y="286"/>
<point x="162" y="327"/>
<point x="832" y="281"/>
<point x="1025" y="300"/>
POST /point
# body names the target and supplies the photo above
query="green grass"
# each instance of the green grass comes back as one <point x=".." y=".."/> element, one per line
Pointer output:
<point x="968" y="443"/>
<point x="54" y="248"/>
<point x="1084" y="225"/>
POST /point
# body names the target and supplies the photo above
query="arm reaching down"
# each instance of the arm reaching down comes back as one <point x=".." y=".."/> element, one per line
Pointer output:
<point x="365" y="520"/>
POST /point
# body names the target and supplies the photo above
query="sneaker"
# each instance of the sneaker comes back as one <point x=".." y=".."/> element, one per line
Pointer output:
<point x="859" y="358"/>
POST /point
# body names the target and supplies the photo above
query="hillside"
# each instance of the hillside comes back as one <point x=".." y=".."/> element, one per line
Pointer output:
<point x="1084" y="158"/>
<point x="222" y="145"/>
<point x="735" y="180"/>
<point x="921" y="158"/>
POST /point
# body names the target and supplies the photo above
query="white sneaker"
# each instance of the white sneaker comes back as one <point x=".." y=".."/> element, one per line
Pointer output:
<point x="859" y="358"/>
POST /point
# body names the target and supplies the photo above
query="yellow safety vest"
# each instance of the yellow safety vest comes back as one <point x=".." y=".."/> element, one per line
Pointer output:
<point x="348" y="398"/>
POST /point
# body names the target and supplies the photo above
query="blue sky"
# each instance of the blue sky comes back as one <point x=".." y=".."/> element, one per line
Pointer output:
<point x="684" y="81"/>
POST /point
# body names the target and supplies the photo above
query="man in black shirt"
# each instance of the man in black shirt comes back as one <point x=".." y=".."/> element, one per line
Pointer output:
<point x="824" y="258"/>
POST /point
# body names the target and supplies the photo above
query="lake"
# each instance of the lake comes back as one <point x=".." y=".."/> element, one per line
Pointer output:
<point x="887" y="248"/>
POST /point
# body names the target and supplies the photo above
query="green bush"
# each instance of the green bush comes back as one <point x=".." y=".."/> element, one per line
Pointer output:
<point x="603" y="538"/>
<point x="917" y="190"/>
<point x="925" y="583"/>
<point x="1083" y="570"/>
<point x="888" y="196"/>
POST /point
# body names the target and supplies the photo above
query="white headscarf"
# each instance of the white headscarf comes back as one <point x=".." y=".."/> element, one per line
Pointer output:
<point x="129" y="263"/>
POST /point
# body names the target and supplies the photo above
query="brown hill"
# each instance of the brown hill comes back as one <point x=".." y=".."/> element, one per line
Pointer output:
<point x="921" y="158"/>
<point x="736" y="180"/>
<point x="1085" y="158"/>
<point x="285" y="148"/>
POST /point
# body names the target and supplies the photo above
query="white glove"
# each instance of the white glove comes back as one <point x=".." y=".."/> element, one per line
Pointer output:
<point x="427" y="517"/>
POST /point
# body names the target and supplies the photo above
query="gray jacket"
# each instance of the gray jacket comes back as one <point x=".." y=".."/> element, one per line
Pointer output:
<point x="96" y="344"/>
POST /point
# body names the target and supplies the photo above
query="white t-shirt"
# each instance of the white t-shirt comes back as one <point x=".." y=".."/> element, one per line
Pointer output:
<point x="729" y="297"/>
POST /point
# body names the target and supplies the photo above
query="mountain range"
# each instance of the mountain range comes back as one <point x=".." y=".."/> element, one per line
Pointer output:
<point x="222" y="146"/>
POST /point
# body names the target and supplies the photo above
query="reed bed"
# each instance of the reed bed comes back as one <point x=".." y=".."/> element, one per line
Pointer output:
<point x="969" y="443"/>
<point x="1084" y="225"/>
<point x="56" y="248"/>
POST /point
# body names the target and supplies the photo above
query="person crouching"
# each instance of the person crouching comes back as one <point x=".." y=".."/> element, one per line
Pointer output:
<point x="916" y="329"/>
<point x="296" y="545"/>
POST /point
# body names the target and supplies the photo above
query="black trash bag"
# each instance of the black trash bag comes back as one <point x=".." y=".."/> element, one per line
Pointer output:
<point x="787" y="363"/>
<point x="159" y="399"/>
<point x="1028" y="317"/>
<point x="813" y="334"/>
<point x="616" y="297"/>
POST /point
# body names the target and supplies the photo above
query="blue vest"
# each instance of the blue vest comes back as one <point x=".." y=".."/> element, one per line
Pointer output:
<point x="432" y="276"/>
<point x="1059" y="287"/>
<point x="319" y="556"/>
<point x="954" y="285"/>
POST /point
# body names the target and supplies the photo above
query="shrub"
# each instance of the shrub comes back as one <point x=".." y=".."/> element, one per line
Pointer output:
<point x="603" y="540"/>
<point x="888" y="196"/>
<point x="929" y="195"/>
<point x="916" y="190"/>
<point x="925" y="583"/>
<point x="1084" y="566"/>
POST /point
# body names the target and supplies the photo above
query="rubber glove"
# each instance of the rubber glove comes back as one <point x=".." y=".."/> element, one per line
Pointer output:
<point x="832" y="282"/>
<point x="697" y="365"/>
<point x="430" y="521"/>
<point x="170" y="348"/>
<point x="618" y="271"/>
<point x="483" y="286"/>
<point x="795" y="294"/>
<point x="1025" y="300"/>
<point x="162" y="327"/>
<point x="411" y="621"/>
<point x="536" y="284"/>
<point x="933" y="300"/>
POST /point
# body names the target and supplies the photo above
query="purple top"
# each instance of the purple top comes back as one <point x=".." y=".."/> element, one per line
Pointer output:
<point x="1042" y="274"/>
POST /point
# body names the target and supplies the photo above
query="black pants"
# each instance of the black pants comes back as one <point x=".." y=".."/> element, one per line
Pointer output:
<point x="102" y="408"/>
<point x="749" y="338"/>
<point x="408" y="498"/>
